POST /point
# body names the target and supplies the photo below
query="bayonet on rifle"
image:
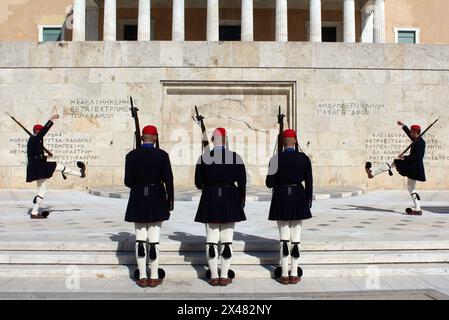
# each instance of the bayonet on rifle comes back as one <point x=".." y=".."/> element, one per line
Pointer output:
<point x="200" y="119"/>
<point x="134" y="114"/>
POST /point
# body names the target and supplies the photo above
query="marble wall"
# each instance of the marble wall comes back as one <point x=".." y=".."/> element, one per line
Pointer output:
<point x="344" y="100"/>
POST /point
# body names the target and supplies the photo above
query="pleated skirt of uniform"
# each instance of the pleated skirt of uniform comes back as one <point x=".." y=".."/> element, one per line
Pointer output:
<point x="147" y="204"/>
<point x="220" y="205"/>
<point x="289" y="204"/>
<point x="39" y="169"/>
<point x="412" y="170"/>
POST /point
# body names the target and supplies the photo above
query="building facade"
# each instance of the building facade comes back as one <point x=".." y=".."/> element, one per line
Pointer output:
<point x="333" y="67"/>
<point x="390" y="21"/>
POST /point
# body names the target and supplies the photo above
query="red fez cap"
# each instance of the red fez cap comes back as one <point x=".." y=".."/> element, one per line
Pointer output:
<point x="220" y="132"/>
<point x="416" y="128"/>
<point x="38" y="127"/>
<point x="149" y="130"/>
<point x="289" y="133"/>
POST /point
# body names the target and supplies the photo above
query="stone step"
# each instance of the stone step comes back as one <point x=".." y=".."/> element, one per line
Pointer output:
<point x="238" y="246"/>
<point x="255" y="193"/>
<point x="245" y="258"/>
<point x="242" y="271"/>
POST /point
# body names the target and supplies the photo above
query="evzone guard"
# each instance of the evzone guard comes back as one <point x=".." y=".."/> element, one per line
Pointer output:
<point x="290" y="203"/>
<point x="221" y="176"/>
<point x="149" y="175"/>
<point x="410" y="166"/>
<point x="40" y="170"/>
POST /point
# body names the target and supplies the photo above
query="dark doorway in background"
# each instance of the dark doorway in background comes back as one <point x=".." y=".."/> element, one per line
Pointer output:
<point x="329" y="34"/>
<point x="230" y="33"/>
<point x="130" y="33"/>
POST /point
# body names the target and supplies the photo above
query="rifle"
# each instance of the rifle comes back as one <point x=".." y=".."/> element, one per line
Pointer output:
<point x="422" y="133"/>
<point x="28" y="132"/>
<point x="134" y="114"/>
<point x="200" y="119"/>
<point x="368" y="165"/>
<point x="281" y="117"/>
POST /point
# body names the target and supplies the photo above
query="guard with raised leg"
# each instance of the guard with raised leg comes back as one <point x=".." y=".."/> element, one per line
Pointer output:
<point x="410" y="166"/>
<point x="39" y="169"/>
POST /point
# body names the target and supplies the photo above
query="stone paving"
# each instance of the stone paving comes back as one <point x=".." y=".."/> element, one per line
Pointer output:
<point x="375" y="216"/>
<point x="79" y="216"/>
<point x="398" y="287"/>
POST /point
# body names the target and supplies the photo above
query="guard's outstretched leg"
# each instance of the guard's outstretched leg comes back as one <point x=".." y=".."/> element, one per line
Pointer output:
<point x="386" y="167"/>
<point x="65" y="171"/>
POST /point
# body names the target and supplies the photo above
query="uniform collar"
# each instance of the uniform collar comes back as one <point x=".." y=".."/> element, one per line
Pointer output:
<point x="289" y="149"/>
<point x="148" y="145"/>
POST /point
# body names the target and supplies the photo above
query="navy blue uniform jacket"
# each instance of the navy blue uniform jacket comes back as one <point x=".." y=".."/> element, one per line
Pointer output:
<point x="38" y="167"/>
<point x="149" y="174"/>
<point x="221" y="176"/>
<point x="291" y="200"/>
<point x="413" y="165"/>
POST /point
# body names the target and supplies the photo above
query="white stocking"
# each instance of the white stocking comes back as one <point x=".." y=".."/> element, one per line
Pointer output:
<point x="411" y="185"/>
<point x="284" y="236"/>
<point x="154" y="232"/>
<point x="68" y="171"/>
<point x="41" y="192"/>
<point x="295" y="239"/>
<point x="212" y="237"/>
<point x="226" y="237"/>
<point x="382" y="169"/>
<point x="141" y="240"/>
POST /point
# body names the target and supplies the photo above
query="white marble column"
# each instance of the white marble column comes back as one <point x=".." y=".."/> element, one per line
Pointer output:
<point x="379" y="21"/>
<point x="178" y="20"/>
<point x="247" y="20"/>
<point x="349" y="21"/>
<point x="367" y="26"/>
<point x="79" y="20"/>
<point x="315" y="21"/>
<point x="110" y="20"/>
<point x="213" y="9"/>
<point x="144" y="23"/>
<point x="281" y="21"/>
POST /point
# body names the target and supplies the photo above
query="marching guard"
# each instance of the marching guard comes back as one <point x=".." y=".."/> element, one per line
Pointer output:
<point x="290" y="203"/>
<point x="149" y="175"/>
<point x="221" y="204"/>
<point x="410" y="166"/>
<point x="40" y="170"/>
